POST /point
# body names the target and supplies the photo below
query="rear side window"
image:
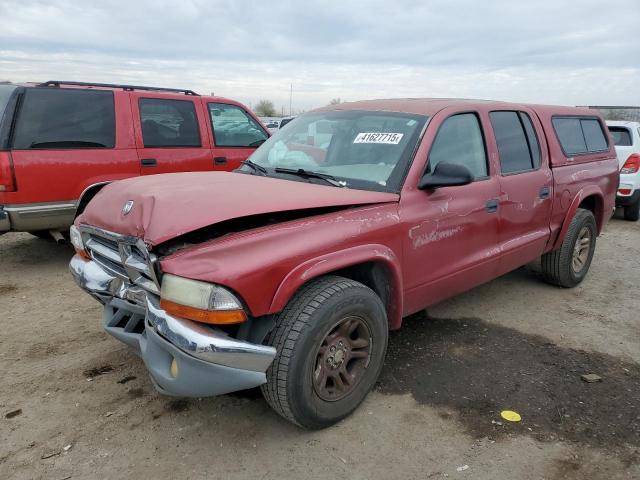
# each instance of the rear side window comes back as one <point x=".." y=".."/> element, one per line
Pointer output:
<point x="459" y="140"/>
<point x="169" y="123"/>
<point x="593" y="135"/>
<point x="517" y="142"/>
<point x="621" y="136"/>
<point x="580" y="135"/>
<point x="65" y="118"/>
<point x="233" y="127"/>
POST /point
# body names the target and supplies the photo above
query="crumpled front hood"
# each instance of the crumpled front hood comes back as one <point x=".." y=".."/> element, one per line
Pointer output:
<point x="166" y="206"/>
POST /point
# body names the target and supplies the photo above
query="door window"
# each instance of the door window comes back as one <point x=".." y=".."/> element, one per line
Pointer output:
<point x="459" y="140"/>
<point x="233" y="127"/>
<point x="65" y="118"/>
<point x="168" y="123"/>
<point x="518" y="145"/>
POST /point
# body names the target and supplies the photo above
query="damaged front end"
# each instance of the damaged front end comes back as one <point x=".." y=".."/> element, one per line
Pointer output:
<point x="184" y="357"/>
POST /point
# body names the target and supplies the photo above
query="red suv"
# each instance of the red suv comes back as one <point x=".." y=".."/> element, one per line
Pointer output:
<point x="61" y="142"/>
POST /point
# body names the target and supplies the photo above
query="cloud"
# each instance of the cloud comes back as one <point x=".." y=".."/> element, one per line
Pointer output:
<point x="547" y="51"/>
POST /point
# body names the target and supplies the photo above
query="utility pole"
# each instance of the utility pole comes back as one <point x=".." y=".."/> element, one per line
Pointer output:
<point x="291" y="100"/>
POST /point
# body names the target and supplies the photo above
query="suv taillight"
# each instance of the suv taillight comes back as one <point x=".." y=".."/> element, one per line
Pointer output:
<point x="632" y="165"/>
<point x="7" y="181"/>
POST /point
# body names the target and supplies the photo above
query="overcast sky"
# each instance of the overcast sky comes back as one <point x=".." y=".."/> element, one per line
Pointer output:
<point x="545" y="51"/>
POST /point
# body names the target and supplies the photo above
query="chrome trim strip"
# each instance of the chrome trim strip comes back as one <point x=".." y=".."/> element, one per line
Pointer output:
<point x="44" y="207"/>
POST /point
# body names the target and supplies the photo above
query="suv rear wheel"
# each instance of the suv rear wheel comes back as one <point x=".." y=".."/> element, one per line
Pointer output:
<point x="331" y="340"/>
<point x="632" y="212"/>
<point x="568" y="265"/>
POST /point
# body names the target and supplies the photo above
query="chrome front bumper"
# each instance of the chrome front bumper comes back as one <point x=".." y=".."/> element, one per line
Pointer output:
<point x="209" y="362"/>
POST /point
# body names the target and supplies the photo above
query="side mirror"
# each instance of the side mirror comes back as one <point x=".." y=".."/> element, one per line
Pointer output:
<point x="446" y="175"/>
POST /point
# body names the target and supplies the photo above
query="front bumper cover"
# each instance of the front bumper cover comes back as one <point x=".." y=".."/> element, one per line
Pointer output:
<point x="209" y="362"/>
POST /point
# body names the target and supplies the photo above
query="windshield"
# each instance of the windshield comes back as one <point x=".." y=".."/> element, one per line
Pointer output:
<point x="358" y="149"/>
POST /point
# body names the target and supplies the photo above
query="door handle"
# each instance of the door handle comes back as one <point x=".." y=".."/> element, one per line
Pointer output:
<point x="149" y="162"/>
<point x="545" y="192"/>
<point x="220" y="160"/>
<point x="492" y="205"/>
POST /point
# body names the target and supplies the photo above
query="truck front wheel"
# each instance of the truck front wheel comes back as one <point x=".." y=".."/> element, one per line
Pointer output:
<point x="568" y="265"/>
<point x="331" y="340"/>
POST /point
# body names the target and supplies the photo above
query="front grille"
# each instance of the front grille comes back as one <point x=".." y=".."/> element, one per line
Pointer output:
<point x="123" y="256"/>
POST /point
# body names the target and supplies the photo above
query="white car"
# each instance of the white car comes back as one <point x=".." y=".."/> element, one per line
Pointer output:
<point x="626" y="136"/>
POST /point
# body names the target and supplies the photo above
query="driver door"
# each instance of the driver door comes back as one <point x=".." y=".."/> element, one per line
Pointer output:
<point x="452" y="231"/>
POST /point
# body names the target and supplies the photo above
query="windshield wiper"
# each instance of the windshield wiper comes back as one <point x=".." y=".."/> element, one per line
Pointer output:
<point x="256" y="167"/>
<point x="301" y="172"/>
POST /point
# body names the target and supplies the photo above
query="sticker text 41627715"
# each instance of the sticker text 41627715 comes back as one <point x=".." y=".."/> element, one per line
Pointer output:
<point x="379" y="137"/>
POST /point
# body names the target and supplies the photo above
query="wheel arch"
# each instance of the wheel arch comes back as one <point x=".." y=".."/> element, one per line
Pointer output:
<point x="590" y="199"/>
<point x="376" y="266"/>
<point x="87" y="194"/>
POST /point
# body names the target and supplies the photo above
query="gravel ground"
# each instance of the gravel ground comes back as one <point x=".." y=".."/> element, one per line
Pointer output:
<point x="76" y="404"/>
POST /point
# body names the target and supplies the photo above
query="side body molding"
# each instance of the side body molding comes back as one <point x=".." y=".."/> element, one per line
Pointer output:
<point x="342" y="259"/>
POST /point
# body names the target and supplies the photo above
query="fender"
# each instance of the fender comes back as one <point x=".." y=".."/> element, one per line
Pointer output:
<point x="577" y="200"/>
<point x="333" y="261"/>
<point x="101" y="181"/>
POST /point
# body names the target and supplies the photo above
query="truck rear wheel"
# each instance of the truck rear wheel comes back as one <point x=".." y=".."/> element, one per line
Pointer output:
<point x="568" y="265"/>
<point x="331" y="340"/>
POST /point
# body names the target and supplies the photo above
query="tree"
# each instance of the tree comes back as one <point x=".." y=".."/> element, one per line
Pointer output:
<point x="265" y="108"/>
<point x="335" y="101"/>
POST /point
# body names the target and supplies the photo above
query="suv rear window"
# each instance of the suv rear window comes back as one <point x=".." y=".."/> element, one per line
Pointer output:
<point x="65" y="118"/>
<point x="580" y="135"/>
<point x="169" y="123"/>
<point x="621" y="136"/>
<point x="517" y="142"/>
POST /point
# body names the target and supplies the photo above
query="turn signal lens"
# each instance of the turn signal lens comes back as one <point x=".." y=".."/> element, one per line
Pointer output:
<point x="632" y="165"/>
<point x="200" y="301"/>
<point x="76" y="240"/>
<point x="216" y="317"/>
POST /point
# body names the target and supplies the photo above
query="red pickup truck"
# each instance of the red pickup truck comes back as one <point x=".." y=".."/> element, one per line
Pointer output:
<point x="288" y="273"/>
<point x="61" y="142"/>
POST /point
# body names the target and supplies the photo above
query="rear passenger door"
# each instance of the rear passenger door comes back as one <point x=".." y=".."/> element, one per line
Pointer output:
<point x="170" y="133"/>
<point x="236" y="134"/>
<point x="525" y="187"/>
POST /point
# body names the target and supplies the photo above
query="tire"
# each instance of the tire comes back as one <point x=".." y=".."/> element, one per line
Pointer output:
<point x="558" y="267"/>
<point x="632" y="212"/>
<point x="305" y="329"/>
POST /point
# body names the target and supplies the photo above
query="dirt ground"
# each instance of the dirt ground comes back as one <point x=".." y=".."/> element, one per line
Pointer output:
<point x="76" y="404"/>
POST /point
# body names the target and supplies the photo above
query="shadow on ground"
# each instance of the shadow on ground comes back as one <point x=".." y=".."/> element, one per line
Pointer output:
<point x="474" y="370"/>
<point x="28" y="251"/>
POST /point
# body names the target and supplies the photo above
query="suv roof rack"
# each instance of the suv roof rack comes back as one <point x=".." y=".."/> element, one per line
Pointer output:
<point x="57" y="83"/>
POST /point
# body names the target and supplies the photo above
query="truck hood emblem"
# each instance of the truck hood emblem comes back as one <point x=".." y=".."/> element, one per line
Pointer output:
<point x="127" y="207"/>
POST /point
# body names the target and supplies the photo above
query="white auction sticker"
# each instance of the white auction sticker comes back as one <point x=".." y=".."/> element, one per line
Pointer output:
<point x="379" y="137"/>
